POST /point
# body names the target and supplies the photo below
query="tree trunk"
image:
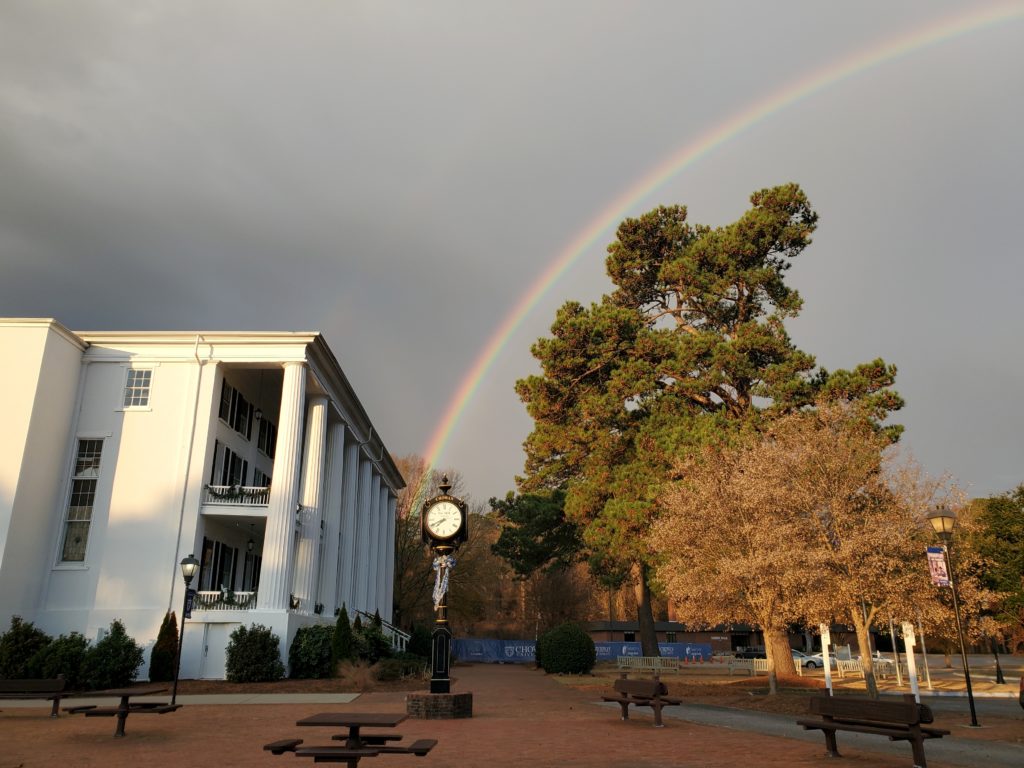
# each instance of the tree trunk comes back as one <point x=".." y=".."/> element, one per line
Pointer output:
<point x="864" y="643"/>
<point x="644" y="612"/>
<point x="780" y="658"/>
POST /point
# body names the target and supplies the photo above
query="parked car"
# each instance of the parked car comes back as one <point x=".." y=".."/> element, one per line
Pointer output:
<point x="751" y="653"/>
<point x="817" y="661"/>
<point x="803" y="659"/>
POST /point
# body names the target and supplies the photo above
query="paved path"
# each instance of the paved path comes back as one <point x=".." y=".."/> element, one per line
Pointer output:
<point x="521" y="718"/>
<point x="949" y="749"/>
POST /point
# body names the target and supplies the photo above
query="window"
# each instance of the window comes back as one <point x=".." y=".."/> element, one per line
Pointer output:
<point x="267" y="439"/>
<point x="228" y="467"/>
<point x="260" y="479"/>
<point x="629" y="637"/>
<point x="235" y="410"/>
<point x="136" y="388"/>
<point x="218" y="566"/>
<point x="251" y="572"/>
<point x="670" y="637"/>
<point x="80" y="502"/>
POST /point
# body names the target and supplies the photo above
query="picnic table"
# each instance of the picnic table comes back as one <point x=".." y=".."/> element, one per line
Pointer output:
<point x="126" y="706"/>
<point x="358" y="744"/>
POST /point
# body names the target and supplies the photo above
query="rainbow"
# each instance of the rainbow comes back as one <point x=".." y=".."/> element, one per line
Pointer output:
<point x="681" y="159"/>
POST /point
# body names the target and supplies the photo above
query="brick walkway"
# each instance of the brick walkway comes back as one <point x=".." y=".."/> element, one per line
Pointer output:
<point x="521" y="718"/>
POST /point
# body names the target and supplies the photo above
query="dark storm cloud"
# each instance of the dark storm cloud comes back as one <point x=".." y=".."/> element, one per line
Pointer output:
<point x="398" y="174"/>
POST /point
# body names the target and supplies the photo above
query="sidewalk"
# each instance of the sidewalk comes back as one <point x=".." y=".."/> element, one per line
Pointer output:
<point x="521" y="718"/>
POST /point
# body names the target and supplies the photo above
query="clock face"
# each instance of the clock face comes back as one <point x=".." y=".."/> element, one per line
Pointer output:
<point x="443" y="520"/>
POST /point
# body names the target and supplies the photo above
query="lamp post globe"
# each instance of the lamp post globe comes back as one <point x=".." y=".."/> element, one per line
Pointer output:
<point x="942" y="520"/>
<point x="189" y="566"/>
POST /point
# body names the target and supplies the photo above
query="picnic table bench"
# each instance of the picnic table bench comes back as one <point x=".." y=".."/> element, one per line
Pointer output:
<point x="900" y="720"/>
<point x="50" y="689"/>
<point x="357" y="744"/>
<point x="125" y="707"/>
<point x="641" y="693"/>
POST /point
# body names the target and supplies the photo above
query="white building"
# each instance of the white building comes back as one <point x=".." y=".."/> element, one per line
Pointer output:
<point x="124" y="452"/>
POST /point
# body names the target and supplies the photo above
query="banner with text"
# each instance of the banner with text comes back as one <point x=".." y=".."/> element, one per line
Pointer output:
<point x="523" y="651"/>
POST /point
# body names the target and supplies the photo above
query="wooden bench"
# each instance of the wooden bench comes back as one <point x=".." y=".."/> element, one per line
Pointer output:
<point x="649" y="663"/>
<point x="49" y="689"/>
<point x="750" y="666"/>
<point x="900" y="720"/>
<point x="641" y="693"/>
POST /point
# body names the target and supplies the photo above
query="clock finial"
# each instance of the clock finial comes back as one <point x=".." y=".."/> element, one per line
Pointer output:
<point x="445" y="486"/>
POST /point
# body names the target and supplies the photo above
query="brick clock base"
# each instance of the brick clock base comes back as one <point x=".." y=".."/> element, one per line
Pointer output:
<point x="439" y="706"/>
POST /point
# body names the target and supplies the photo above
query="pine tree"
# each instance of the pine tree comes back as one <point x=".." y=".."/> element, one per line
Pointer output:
<point x="341" y="644"/>
<point x="165" y="650"/>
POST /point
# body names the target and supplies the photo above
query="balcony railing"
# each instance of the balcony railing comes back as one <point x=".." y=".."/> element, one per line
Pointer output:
<point x="225" y="600"/>
<point x="244" y="495"/>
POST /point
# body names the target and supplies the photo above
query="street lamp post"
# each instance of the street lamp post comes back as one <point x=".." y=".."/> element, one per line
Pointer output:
<point x="189" y="566"/>
<point x="942" y="521"/>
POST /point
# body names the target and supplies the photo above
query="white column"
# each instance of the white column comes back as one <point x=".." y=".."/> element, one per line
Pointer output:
<point x="362" y="534"/>
<point x="349" y="505"/>
<point x="373" y="586"/>
<point x="328" y="578"/>
<point x="382" y="552"/>
<point x="311" y="497"/>
<point x="389" y="570"/>
<point x="275" y="576"/>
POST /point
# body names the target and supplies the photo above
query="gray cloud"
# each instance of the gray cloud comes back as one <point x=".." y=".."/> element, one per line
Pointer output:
<point x="397" y="175"/>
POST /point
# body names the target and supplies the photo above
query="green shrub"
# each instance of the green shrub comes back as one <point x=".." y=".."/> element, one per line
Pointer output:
<point x="371" y="645"/>
<point x="397" y="668"/>
<point x="114" y="661"/>
<point x="63" y="656"/>
<point x="18" y="645"/>
<point x="419" y="641"/>
<point x="254" y="655"/>
<point x="165" y="650"/>
<point x="567" y="649"/>
<point x="310" y="652"/>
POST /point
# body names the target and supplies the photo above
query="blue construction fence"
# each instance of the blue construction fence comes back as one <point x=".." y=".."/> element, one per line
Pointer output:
<point x="522" y="651"/>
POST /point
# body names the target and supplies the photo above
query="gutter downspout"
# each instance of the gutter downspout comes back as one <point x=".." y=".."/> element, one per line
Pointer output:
<point x="188" y="468"/>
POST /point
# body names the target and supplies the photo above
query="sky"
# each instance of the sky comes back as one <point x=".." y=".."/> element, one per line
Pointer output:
<point x="402" y="176"/>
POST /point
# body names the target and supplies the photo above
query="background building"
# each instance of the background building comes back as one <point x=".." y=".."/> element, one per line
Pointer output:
<point x="124" y="452"/>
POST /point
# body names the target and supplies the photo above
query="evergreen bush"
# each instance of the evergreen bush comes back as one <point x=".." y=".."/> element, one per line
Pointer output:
<point x="419" y="641"/>
<point x="114" y="661"/>
<point x="341" y="643"/>
<point x="254" y="655"/>
<point x="63" y="656"/>
<point x="165" y="650"/>
<point x="371" y="644"/>
<point x="310" y="653"/>
<point x="18" y="646"/>
<point x="397" y="668"/>
<point x="566" y="649"/>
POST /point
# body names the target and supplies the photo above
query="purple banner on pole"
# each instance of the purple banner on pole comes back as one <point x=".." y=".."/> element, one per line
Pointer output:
<point x="937" y="566"/>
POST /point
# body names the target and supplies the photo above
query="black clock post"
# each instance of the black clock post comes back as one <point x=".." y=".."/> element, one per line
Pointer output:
<point x="443" y="526"/>
<point x="441" y="637"/>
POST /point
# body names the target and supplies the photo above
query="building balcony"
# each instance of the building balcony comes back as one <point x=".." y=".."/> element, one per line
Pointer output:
<point x="241" y="497"/>
<point x="224" y="600"/>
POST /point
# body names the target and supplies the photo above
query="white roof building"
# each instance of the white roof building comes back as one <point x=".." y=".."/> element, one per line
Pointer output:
<point x="124" y="452"/>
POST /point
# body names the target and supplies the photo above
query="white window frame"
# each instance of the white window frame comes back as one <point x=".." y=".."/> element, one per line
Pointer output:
<point x="129" y="369"/>
<point x="66" y="521"/>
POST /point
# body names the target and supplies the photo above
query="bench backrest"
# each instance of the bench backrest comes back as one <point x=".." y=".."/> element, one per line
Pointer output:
<point x="905" y="711"/>
<point x="648" y="688"/>
<point x="55" y="685"/>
